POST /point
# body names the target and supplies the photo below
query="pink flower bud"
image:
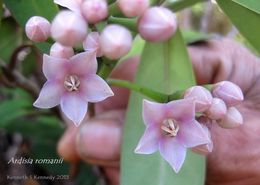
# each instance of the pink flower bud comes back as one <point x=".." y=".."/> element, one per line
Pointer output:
<point x="229" y="92"/>
<point x="69" y="28"/>
<point x="94" y="10"/>
<point x="157" y="24"/>
<point x="217" y="110"/>
<point x="202" y="97"/>
<point x="206" y="148"/>
<point x="38" y="29"/>
<point x="92" y="43"/>
<point x="133" y="8"/>
<point x="60" y="51"/>
<point x="232" y="119"/>
<point x="116" y="41"/>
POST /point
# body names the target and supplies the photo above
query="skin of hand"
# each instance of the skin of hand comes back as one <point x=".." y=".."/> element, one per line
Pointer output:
<point x="235" y="159"/>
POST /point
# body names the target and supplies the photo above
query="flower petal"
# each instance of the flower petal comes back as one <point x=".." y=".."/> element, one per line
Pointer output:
<point x="74" y="107"/>
<point x="181" y="110"/>
<point x="205" y="148"/>
<point x="153" y="113"/>
<point x="50" y="95"/>
<point x="95" y="89"/>
<point x="173" y="152"/>
<point x="53" y="67"/>
<point x="149" y="142"/>
<point x="73" y="5"/>
<point x="192" y="134"/>
<point x="84" y="63"/>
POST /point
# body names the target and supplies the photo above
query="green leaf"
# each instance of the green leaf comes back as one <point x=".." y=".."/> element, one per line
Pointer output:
<point x="177" y="5"/>
<point x="1" y="11"/>
<point x="9" y="38"/>
<point x="22" y="10"/>
<point x="164" y="67"/>
<point x="191" y="37"/>
<point x="136" y="49"/>
<point x="245" y="16"/>
<point x="44" y="47"/>
<point x="10" y="111"/>
<point x="16" y="104"/>
<point x="86" y="175"/>
<point x="250" y="4"/>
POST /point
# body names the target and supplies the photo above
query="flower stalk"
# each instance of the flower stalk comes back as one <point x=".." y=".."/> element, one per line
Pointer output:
<point x="130" y="23"/>
<point x="106" y="68"/>
<point x="180" y="4"/>
<point x="154" y="95"/>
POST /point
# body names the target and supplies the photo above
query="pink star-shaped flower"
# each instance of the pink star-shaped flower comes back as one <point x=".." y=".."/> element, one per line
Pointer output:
<point x="72" y="83"/>
<point x="171" y="128"/>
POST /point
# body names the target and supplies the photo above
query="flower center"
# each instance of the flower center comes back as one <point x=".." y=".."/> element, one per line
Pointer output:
<point x="170" y="127"/>
<point x="72" y="83"/>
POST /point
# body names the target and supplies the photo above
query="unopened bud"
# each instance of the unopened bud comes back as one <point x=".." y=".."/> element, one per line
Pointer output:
<point x="94" y="11"/>
<point x="133" y="8"/>
<point x="116" y="41"/>
<point x="217" y="110"/>
<point x="38" y="29"/>
<point x="92" y="43"/>
<point x="60" y="51"/>
<point x="232" y="119"/>
<point x="157" y="24"/>
<point x="229" y="92"/>
<point x="69" y="28"/>
<point x="202" y="97"/>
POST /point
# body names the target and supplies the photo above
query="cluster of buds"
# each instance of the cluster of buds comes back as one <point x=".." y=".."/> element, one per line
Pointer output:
<point x="216" y="107"/>
<point x="173" y="127"/>
<point x="70" y="27"/>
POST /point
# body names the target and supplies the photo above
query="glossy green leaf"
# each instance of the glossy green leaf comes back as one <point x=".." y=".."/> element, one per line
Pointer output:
<point x="177" y="5"/>
<point x="164" y="67"/>
<point x="137" y="48"/>
<point x="9" y="38"/>
<point x="14" y="106"/>
<point x="22" y="10"/>
<point x="1" y="11"/>
<point x="44" y="47"/>
<point x="244" y="18"/>
<point x="250" y="4"/>
<point x="191" y="37"/>
<point x="11" y="110"/>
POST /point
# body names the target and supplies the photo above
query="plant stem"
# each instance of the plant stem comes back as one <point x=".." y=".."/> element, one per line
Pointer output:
<point x="208" y="86"/>
<point x="176" y="95"/>
<point x="156" y="2"/>
<point x="157" y="96"/>
<point x="106" y="68"/>
<point x="181" y="4"/>
<point x="17" y="79"/>
<point x="110" y="1"/>
<point x="130" y="23"/>
<point x="113" y="10"/>
<point x="14" y="58"/>
<point x="154" y="95"/>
